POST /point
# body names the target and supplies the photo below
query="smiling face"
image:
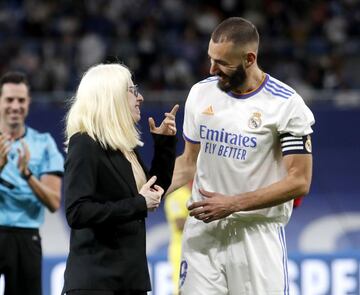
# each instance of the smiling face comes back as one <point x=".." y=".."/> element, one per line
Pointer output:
<point x="227" y="63"/>
<point x="14" y="105"/>
<point x="230" y="82"/>
<point x="135" y="99"/>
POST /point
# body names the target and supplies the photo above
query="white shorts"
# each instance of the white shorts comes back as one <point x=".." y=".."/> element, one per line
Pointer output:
<point x="233" y="257"/>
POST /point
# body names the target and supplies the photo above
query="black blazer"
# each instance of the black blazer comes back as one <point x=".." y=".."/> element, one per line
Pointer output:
<point x="107" y="215"/>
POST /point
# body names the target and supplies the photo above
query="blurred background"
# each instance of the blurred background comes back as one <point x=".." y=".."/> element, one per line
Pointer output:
<point x="314" y="46"/>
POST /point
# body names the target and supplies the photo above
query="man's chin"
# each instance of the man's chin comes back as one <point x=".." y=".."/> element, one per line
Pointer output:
<point x="224" y="86"/>
<point x="15" y="124"/>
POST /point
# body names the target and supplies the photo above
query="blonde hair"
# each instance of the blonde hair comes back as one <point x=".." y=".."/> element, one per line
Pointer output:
<point x="101" y="108"/>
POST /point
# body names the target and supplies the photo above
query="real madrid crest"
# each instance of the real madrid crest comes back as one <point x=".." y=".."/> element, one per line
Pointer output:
<point x="308" y="146"/>
<point x="255" y="120"/>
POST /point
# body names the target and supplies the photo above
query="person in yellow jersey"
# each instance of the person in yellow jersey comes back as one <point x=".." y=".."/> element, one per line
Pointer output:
<point x="176" y="213"/>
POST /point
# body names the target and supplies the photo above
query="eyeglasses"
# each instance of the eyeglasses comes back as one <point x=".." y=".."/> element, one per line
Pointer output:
<point x="134" y="89"/>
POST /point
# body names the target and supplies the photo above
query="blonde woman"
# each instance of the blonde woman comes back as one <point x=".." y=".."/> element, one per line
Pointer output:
<point x="107" y="189"/>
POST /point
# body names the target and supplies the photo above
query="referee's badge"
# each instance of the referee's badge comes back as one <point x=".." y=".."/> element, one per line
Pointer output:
<point x="255" y="120"/>
<point x="308" y="145"/>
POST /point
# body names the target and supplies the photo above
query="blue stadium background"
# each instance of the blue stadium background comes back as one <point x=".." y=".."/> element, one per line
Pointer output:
<point x="336" y="176"/>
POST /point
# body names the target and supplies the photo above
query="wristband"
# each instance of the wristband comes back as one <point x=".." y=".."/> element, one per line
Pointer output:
<point x="27" y="174"/>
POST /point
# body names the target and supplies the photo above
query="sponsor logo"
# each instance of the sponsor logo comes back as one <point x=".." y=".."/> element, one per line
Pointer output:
<point x="223" y="136"/>
<point x="226" y="144"/>
<point x="208" y="111"/>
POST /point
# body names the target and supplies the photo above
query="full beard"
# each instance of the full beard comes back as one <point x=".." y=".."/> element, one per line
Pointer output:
<point x="233" y="81"/>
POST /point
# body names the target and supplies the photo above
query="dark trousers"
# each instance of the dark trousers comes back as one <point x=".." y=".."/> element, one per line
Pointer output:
<point x="97" y="292"/>
<point x="20" y="260"/>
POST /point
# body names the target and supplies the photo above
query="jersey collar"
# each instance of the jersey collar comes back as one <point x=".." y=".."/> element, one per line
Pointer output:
<point x="250" y="93"/>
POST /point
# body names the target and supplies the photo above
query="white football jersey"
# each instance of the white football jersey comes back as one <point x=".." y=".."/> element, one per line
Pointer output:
<point x="240" y="138"/>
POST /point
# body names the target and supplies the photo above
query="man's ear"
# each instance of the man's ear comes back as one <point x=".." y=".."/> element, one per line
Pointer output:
<point x="250" y="59"/>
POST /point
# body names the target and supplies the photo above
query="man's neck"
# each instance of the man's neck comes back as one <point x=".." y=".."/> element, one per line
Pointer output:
<point x="252" y="82"/>
<point x="14" y="132"/>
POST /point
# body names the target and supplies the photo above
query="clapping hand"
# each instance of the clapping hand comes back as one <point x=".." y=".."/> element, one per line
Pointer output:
<point x="168" y="125"/>
<point x="5" y="147"/>
<point x="24" y="157"/>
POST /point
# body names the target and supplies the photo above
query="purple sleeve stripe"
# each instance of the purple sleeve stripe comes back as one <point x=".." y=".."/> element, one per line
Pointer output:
<point x="190" y="140"/>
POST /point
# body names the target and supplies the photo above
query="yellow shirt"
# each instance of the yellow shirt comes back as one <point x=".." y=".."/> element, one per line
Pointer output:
<point x="175" y="208"/>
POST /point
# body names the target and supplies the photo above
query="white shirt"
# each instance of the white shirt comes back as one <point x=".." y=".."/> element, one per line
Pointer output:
<point x="239" y="137"/>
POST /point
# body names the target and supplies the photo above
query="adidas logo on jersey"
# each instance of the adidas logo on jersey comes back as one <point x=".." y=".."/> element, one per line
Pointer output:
<point x="208" y="111"/>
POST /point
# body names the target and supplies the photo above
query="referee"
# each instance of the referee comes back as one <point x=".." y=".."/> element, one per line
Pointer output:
<point x="31" y="167"/>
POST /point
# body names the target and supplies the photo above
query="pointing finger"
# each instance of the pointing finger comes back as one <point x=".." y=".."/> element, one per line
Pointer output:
<point x="175" y="109"/>
<point x="150" y="182"/>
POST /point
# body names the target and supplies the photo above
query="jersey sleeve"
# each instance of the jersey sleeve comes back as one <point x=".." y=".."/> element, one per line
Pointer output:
<point x="53" y="160"/>
<point x="295" y="127"/>
<point x="296" y="119"/>
<point x="190" y="130"/>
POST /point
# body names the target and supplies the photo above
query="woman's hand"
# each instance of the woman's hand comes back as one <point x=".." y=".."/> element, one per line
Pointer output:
<point x="168" y="125"/>
<point x="152" y="195"/>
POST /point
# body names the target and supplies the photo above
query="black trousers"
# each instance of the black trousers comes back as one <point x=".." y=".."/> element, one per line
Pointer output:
<point x="20" y="260"/>
<point x="93" y="292"/>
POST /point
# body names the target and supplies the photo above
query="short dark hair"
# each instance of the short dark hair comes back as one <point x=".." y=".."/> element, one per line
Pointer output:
<point x="14" y="77"/>
<point x="237" y="30"/>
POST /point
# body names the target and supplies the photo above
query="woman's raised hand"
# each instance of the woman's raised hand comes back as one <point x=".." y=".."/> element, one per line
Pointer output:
<point x="168" y="125"/>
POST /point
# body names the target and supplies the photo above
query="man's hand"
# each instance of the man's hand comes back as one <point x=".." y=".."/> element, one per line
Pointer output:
<point x="215" y="206"/>
<point x="24" y="157"/>
<point x="168" y="125"/>
<point x="5" y="147"/>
